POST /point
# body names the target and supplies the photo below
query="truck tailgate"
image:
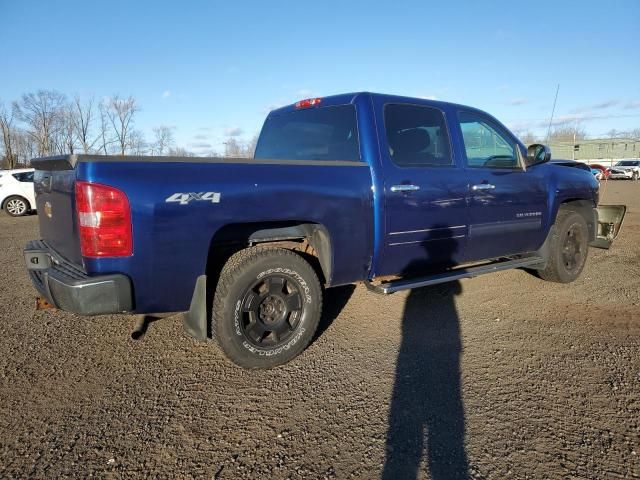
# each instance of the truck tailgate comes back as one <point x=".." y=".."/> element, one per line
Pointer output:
<point x="54" y="183"/>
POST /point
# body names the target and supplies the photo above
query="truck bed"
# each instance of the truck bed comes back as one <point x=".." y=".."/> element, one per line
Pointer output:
<point x="181" y="207"/>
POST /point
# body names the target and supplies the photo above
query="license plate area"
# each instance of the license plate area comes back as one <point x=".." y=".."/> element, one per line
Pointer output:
<point x="37" y="260"/>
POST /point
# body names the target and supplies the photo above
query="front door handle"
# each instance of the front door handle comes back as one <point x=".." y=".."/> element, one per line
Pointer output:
<point x="405" y="188"/>
<point x="482" y="186"/>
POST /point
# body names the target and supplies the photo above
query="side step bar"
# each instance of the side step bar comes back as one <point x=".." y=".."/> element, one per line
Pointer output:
<point x="408" y="284"/>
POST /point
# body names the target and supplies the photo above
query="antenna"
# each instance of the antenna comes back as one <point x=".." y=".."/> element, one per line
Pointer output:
<point x="552" y="112"/>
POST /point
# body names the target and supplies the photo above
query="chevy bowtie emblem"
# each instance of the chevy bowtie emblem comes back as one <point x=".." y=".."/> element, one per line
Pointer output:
<point x="47" y="209"/>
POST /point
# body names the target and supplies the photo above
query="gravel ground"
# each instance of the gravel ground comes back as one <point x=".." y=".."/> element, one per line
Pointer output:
<point x="502" y="376"/>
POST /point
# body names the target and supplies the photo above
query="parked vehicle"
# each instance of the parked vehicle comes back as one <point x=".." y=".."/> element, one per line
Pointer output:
<point x="603" y="170"/>
<point x="625" y="170"/>
<point x="17" y="197"/>
<point x="391" y="191"/>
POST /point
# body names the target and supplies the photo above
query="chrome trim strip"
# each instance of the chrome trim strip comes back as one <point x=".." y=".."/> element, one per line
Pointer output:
<point x="428" y="230"/>
<point x="426" y="240"/>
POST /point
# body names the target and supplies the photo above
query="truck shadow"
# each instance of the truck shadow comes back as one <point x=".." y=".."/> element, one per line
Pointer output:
<point x="335" y="299"/>
<point x="426" y="410"/>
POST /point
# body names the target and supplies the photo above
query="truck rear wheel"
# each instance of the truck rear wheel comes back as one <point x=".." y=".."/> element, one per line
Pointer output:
<point x="569" y="244"/>
<point x="266" y="307"/>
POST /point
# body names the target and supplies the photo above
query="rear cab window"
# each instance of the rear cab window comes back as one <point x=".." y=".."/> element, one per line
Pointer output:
<point x="321" y="133"/>
<point x="417" y="136"/>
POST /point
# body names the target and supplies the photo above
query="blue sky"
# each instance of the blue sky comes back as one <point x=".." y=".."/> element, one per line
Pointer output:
<point x="214" y="69"/>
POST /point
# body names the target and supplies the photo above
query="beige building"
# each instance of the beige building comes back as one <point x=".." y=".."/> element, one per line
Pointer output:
<point x="604" y="151"/>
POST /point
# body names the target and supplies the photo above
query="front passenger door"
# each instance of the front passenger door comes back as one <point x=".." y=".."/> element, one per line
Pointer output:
<point x="507" y="203"/>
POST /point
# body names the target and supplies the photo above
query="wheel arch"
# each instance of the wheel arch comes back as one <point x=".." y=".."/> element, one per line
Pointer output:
<point x="586" y="209"/>
<point x="310" y="239"/>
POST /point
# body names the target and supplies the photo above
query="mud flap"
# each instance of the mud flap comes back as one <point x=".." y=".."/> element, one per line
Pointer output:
<point x="195" y="320"/>
<point x="609" y="224"/>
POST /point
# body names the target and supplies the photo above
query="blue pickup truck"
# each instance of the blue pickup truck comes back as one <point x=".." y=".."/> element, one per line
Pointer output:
<point x="391" y="191"/>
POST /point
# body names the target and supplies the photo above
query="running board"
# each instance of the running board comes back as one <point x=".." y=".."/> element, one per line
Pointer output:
<point x="408" y="284"/>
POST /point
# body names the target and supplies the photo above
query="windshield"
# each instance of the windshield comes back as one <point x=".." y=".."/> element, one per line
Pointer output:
<point x="628" y="163"/>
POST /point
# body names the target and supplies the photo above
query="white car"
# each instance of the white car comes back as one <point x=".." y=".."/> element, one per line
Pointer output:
<point x="17" y="197"/>
<point x="626" y="169"/>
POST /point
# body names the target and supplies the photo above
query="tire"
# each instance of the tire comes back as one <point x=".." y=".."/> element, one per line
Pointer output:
<point x="266" y="307"/>
<point x="635" y="176"/>
<point x="16" y="206"/>
<point x="569" y="245"/>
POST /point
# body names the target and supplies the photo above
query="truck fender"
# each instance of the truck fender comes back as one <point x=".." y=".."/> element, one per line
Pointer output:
<point x="317" y="236"/>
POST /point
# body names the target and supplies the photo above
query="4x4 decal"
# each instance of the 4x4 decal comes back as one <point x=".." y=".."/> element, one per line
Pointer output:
<point x="185" y="198"/>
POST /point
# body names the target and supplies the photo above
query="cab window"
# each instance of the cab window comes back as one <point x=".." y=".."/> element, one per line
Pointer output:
<point x="417" y="136"/>
<point x="485" y="144"/>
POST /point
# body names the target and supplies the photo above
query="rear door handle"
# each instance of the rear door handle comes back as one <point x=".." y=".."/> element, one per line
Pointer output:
<point x="482" y="186"/>
<point x="405" y="188"/>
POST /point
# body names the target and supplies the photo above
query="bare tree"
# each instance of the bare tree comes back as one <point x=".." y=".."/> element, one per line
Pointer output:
<point x="120" y="112"/>
<point x="180" y="152"/>
<point x="250" y="148"/>
<point x="136" y="143"/>
<point x="26" y="148"/>
<point x="568" y="134"/>
<point x="40" y="112"/>
<point x="528" y="138"/>
<point x="8" y="131"/>
<point x="63" y="138"/>
<point x="232" y="148"/>
<point x="82" y="119"/>
<point x="104" y="139"/>
<point x="163" y="140"/>
<point x="241" y="149"/>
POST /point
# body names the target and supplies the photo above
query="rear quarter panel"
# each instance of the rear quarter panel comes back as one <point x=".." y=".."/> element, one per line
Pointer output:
<point x="171" y="241"/>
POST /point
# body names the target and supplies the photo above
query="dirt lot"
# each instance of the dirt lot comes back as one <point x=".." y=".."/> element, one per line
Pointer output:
<point x="504" y="375"/>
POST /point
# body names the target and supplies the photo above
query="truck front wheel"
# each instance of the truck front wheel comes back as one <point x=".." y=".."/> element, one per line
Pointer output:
<point x="568" y="248"/>
<point x="266" y="307"/>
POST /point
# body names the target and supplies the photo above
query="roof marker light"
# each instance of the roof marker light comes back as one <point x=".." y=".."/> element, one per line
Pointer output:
<point x="308" y="102"/>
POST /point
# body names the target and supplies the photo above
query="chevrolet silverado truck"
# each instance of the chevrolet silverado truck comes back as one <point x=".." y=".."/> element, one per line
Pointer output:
<point x="391" y="191"/>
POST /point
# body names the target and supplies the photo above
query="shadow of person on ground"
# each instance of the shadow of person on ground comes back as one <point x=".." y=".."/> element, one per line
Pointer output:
<point x="426" y="407"/>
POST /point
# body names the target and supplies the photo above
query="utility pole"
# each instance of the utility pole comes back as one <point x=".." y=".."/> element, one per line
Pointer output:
<point x="553" y="110"/>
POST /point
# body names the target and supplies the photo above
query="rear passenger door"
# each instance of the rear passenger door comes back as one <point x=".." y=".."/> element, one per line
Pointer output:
<point x="425" y="191"/>
<point x="507" y="203"/>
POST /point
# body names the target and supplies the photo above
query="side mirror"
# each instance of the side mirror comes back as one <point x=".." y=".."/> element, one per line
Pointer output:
<point x="538" y="153"/>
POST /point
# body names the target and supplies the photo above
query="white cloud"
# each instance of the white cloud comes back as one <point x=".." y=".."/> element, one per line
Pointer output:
<point x="598" y="106"/>
<point x="233" y="131"/>
<point x="200" y="145"/>
<point x="518" y="101"/>
<point x="632" y="104"/>
<point x="166" y="94"/>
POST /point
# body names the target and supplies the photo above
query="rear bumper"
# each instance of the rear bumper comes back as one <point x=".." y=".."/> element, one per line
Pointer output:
<point x="67" y="287"/>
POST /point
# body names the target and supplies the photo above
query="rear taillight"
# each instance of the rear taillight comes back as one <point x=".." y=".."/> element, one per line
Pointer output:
<point x="104" y="218"/>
